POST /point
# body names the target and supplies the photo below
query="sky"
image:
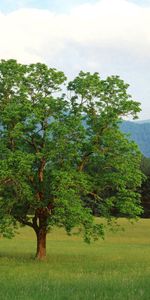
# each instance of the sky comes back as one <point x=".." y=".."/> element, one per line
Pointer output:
<point x="111" y="37"/>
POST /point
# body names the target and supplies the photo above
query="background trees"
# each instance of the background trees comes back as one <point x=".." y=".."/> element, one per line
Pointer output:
<point x="145" y="188"/>
<point x="62" y="153"/>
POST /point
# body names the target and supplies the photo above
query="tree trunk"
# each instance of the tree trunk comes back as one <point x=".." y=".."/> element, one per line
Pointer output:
<point x="41" y="243"/>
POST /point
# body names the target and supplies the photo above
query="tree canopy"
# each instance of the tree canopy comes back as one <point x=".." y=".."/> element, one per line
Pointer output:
<point x="62" y="152"/>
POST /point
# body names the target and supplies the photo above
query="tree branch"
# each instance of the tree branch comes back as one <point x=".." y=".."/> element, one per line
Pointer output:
<point x="35" y="226"/>
<point x="23" y="221"/>
<point x="32" y="143"/>
<point x="41" y="169"/>
<point x="84" y="159"/>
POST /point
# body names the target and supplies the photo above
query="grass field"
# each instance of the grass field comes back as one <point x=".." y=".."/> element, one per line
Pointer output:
<point x="117" y="268"/>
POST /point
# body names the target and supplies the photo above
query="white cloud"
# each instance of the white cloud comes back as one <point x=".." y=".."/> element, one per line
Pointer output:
<point x="110" y="36"/>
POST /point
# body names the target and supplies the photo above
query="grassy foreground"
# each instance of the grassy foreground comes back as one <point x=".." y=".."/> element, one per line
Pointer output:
<point x="117" y="268"/>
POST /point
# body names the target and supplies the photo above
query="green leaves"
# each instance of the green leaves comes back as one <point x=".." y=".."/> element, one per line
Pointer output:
<point x="63" y="157"/>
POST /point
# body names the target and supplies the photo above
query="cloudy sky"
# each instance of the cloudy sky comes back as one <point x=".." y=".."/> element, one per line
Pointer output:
<point x="108" y="36"/>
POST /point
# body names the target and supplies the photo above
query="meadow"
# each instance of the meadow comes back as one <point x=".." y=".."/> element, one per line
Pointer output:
<point x="117" y="268"/>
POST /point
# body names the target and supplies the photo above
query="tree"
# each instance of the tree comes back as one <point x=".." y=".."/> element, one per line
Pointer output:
<point x="145" y="188"/>
<point x="51" y="144"/>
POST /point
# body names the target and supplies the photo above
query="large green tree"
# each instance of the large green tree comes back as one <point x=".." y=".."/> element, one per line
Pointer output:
<point x="62" y="152"/>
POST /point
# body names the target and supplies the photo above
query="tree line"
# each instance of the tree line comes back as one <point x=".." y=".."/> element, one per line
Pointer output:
<point x="145" y="187"/>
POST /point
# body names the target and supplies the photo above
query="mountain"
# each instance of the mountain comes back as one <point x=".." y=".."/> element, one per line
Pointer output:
<point x="142" y="121"/>
<point x="140" y="133"/>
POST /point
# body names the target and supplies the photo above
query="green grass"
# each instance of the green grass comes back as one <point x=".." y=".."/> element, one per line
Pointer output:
<point x="117" y="268"/>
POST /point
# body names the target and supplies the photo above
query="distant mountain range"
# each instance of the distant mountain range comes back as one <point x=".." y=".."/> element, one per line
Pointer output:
<point x="140" y="133"/>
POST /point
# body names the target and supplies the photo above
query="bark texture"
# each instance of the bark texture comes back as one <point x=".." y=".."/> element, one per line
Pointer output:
<point x="41" y="244"/>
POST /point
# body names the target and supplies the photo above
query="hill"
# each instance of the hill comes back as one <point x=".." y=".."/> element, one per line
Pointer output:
<point x="139" y="132"/>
